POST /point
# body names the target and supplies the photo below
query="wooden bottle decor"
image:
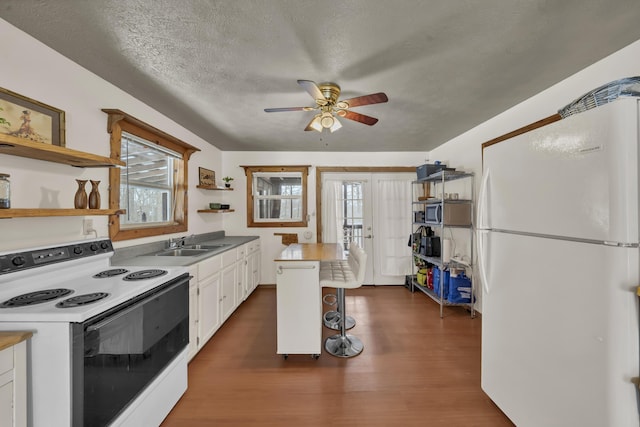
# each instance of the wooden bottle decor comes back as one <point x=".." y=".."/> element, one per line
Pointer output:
<point x="80" y="200"/>
<point x="94" y="195"/>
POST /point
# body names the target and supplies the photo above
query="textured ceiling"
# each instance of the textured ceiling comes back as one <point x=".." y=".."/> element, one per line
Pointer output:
<point x="446" y="66"/>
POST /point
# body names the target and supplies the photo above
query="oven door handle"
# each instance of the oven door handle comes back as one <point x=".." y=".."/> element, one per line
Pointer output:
<point x="134" y="306"/>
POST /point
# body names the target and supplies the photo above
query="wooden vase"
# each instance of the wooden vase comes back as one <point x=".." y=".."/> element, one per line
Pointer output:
<point x="80" y="200"/>
<point x="94" y="195"/>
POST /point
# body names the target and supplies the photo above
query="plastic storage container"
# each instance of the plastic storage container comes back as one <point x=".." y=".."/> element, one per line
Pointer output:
<point x="459" y="289"/>
<point x="436" y="282"/>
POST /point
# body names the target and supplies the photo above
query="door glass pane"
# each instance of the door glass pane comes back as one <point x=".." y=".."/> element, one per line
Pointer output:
<point x="353" y="212"/>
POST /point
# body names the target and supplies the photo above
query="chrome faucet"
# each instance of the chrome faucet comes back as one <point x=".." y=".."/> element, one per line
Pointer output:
<point x="178" y="241"/>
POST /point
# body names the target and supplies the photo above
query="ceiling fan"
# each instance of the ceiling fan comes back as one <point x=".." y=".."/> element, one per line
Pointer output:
<point x="326" y="96"/>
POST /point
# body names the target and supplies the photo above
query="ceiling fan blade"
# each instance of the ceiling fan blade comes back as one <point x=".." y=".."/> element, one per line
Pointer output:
<point x="311" y="88"/>
<point x="374" y="98"/>
<point x="352" y="115"/>
<point x="277" y="110"/>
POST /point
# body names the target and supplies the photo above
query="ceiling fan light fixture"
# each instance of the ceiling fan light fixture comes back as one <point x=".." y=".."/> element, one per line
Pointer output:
<point x="316" y="123"/>
<point x="327" y="120"/>
<point x="336" y="125"/>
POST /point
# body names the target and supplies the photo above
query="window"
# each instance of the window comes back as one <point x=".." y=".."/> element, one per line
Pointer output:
<point x="276" y="196"/>
<point x="152" y="187"/>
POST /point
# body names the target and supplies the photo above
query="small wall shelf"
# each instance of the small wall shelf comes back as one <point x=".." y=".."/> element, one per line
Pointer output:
<point x="215" y="210"/>
<point x="206" y="187"/>
<point x="31" y="213"/>
<point x="52" y="153"/>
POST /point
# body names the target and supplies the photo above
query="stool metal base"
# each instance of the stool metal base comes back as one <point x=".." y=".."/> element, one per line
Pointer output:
<point x="331" y="319"/>
<point x="343" y="345"/>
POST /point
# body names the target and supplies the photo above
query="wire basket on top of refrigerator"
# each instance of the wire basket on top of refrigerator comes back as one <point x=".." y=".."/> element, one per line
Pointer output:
<point x="604" y="94"/>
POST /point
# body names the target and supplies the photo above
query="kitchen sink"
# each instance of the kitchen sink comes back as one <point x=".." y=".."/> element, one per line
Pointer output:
<point x="182" y="252"/>
<point x="191" y="250"/>
<point x="206" y="247"/>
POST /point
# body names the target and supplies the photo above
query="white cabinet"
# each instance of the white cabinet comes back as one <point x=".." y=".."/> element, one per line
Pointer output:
<point x="208" y="309"/>
<point x="241" y="274"/>
<point x="253" y="265"/>
<point x="228" y="294"/>
<point x="218" y="287"/>
<point x="204" y="305"/>
<point x="299" y="302"/>
<point x="13" y="385"/>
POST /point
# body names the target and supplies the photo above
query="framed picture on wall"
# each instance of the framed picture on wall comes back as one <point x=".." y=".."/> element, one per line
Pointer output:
<point x="31" y="120"/>
<point x="207" y="178"/>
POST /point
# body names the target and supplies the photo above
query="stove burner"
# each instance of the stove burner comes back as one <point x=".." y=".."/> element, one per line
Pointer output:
<point x="82" y="300"/>
<point x="110" y="273"/>
<point x="35" y="297"/>
<point x="144" y="274"/>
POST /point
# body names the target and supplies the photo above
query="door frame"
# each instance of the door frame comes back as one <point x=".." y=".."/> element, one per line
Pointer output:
<point x="366" y="169"/>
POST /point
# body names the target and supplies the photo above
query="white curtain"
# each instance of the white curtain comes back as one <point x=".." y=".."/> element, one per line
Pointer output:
<point x="393" y="200"/>
<point x="332" y="211"/>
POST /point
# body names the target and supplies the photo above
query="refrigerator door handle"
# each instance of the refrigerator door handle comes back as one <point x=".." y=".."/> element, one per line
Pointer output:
<point x="481" y="234"/>
<point x="482" y="201"/>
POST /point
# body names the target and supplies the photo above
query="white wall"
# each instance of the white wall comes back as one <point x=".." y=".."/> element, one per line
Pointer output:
<point x="464" y="152"/>
<point x="236" y="223"/>
<point x="31" y="69"/>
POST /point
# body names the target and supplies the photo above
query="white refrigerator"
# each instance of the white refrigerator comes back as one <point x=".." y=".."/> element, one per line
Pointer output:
<point x="559" y="263"/>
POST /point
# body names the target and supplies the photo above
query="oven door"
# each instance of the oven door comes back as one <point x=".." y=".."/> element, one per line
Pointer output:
<point x="118" y="353"/>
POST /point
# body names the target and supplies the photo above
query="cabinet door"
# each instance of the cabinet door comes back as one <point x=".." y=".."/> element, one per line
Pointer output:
<point x="241" y="278"/>
<point x="228" y="297"/>
<point x="208" y="308"/>
<point x="6" y="404"/>
<point x="299" y="307"/>
<point x="254" y="271"/>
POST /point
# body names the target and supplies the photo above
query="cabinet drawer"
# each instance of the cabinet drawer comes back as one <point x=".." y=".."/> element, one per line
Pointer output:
<point x="6" y="360"/>
<point x="253" y="246"/>
<point x="241" y="251"/>
<point x="209" y="266"/>
<point x="228" y="258"/>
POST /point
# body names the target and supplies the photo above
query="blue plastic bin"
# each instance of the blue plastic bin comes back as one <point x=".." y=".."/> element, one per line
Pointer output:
<point x="459" y="289"/>
<point x="436" y="282"/>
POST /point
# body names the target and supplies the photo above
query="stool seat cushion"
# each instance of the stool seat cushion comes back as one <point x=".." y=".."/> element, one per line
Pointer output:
<point x="347" y="275"/>
<point x="338" y="278"/>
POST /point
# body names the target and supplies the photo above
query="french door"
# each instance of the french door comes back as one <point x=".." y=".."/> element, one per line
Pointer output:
<point x="374" y="210"/>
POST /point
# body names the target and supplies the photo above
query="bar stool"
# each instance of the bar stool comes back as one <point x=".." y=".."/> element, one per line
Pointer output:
<point x="331" y="318"/>
<point x="343" y="344"/>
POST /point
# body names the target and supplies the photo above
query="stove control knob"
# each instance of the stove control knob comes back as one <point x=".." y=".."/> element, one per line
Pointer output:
<point x="77" y="250"/>
<point x="93" y="247"/>
<point x="18" y="261"/>
<point x="104" y="245"/>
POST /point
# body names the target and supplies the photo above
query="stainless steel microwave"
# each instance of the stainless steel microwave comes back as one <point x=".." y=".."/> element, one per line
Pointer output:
<point x="452" y="213"/>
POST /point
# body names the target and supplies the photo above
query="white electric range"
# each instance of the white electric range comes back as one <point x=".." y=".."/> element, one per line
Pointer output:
<point x="109" y="343"/>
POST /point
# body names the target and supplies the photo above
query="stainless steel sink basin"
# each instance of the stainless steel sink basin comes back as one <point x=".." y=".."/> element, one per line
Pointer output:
<point x="182" y="252"/>
<point x="207" y="247"/>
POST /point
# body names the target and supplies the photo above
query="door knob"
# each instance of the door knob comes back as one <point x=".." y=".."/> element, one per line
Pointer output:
<point x="368" y="237"/>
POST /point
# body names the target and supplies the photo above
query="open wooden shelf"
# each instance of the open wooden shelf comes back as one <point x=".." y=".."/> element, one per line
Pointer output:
<point x="52" y="153"/>
<point x="206" y="187"/>
<point x="31" y="213"/>
<point x="215" y="210"/>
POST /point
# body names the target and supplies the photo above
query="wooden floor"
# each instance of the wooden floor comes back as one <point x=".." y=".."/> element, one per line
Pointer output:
<point x="416" y="370"/>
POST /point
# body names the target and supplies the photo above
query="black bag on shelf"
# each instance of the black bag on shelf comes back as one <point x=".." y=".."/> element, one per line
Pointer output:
<point x="432" y="246"/>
